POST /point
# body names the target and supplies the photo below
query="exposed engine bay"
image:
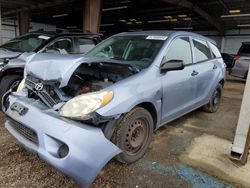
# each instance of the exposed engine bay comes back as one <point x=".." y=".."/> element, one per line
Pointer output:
<point x="94" y="77"/>
<point x="88" y="77"/>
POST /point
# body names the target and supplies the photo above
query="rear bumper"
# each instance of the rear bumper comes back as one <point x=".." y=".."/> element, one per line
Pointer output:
<point x="89" y="150"/>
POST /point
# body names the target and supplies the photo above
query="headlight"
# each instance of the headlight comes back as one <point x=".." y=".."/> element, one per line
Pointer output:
<point x="21" y="86"/>
<point x="81" y="107"/>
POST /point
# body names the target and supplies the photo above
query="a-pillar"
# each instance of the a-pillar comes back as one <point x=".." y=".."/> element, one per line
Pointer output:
<point x="92" y="16"/>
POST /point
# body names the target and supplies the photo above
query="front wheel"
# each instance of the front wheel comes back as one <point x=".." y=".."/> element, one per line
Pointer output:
<point x="7" y="83"/>
<point x="133" y="135"/>
<point x="214" y="101"/>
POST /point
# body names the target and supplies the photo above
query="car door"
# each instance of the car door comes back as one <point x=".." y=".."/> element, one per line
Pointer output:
<point x="205" y="67"/>
<point x="178" y="86"/>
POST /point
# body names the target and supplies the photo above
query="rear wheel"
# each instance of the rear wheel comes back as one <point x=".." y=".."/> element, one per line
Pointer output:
<point x="214" y="101"/>
<point x="133" y="135"/>
<point x="7" y="83"/>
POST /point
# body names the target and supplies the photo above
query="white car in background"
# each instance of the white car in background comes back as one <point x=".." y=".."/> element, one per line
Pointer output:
<point x="242" y="61"/>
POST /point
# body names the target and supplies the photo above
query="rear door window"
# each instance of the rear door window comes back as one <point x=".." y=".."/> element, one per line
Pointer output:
<point x="180" y="49"/>
<point x="201" y="50"/>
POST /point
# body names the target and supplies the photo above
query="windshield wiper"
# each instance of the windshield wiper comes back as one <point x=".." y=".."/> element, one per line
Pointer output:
<point x="135" y="68"/>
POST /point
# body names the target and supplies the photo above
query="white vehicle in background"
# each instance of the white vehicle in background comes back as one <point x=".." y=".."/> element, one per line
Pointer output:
<point x="242" y="61"/>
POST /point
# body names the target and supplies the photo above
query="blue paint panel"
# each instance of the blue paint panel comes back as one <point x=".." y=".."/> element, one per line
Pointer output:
<point x="195" y="178"/>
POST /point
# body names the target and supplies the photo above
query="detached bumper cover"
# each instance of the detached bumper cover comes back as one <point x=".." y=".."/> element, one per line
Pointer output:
<point x="89" y="150"/>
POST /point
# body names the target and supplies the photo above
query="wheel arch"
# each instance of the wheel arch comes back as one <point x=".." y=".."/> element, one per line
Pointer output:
<point x="15" y="71"/>
<point x="109" y="127"/>
<point x="151" y="109"/>
<point x="222" y="82"/>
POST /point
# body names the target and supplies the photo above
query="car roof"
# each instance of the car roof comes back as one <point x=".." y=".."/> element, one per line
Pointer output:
<point x="58" y="34"/>
<point x="54" y="35"/>
<point x="248" y="43"/>
<point x="166" y="33"/>
<point x="154" y="32"/>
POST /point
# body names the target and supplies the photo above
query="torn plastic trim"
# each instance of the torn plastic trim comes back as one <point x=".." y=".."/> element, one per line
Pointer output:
<point x="98" y="119"/>
<point x="89" y="150"/>
<point x="108" y="124"/>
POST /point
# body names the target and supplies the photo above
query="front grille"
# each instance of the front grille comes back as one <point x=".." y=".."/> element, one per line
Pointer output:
<point x="47" y="99"/>
<point x="26" y="132"/>
<point x="31" y="82"/>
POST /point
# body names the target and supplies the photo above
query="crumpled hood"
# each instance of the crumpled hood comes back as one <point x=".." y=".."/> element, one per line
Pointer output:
<point x="8" y="54"/>
<point x="56" y="67"/>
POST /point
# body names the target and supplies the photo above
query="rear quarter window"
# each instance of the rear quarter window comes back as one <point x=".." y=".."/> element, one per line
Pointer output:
<point x="201" y="50"/>
<point x="216" y="53"/>
<point x="244" y="49"/>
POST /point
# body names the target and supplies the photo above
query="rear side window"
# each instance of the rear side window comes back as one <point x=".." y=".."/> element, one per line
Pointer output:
<point x="215" y="51"/>
<point x="245" y="49"/>
<point x="85" y="45"/>
<point x="180" y="49"/>
<point x="201" y="50"/>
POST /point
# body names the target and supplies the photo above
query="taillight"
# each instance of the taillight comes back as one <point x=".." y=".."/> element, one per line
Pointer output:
<point x="237" y="57"/>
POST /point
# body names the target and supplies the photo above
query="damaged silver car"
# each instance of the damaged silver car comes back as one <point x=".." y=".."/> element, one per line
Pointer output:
<point x="77" y="113"/>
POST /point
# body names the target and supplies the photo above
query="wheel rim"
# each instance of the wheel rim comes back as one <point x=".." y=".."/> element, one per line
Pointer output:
<point x="15" y="85"/>
<point x="216" y="99"/>
<point x="136" y="136"/>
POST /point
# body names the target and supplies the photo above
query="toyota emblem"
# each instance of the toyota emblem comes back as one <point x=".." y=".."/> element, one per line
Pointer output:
<point x="39" y="86"/>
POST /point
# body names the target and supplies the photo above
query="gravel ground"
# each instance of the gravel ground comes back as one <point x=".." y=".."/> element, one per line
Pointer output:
<point x="160" y="167"/>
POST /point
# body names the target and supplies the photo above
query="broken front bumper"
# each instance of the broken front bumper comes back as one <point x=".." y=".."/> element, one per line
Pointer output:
<point x="44" y="132"/>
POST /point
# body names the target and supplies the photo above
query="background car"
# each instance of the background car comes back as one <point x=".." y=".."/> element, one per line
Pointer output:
<point x="47" y="40"/>
<point x="228" y="60"/>
<point x="242" y="61"/>
<point x="16" y="52"/>
<point x="25" y="43"/>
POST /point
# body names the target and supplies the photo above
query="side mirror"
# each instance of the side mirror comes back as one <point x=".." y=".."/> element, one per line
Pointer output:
<point x="173" y="64"/>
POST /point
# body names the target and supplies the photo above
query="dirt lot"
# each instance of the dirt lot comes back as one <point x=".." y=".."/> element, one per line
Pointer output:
<point x="161" y="167"/>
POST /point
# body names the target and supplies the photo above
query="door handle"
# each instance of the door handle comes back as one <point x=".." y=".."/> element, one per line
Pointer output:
<point x="194" y="73"/>
<point x="215" y="67"/>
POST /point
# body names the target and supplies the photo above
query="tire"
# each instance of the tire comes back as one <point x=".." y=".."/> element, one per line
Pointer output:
<point x="8" y="82"/>
<point x="215" y="100"/>
<point x="245" y="77"/>
<point x="133" y="135"/>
